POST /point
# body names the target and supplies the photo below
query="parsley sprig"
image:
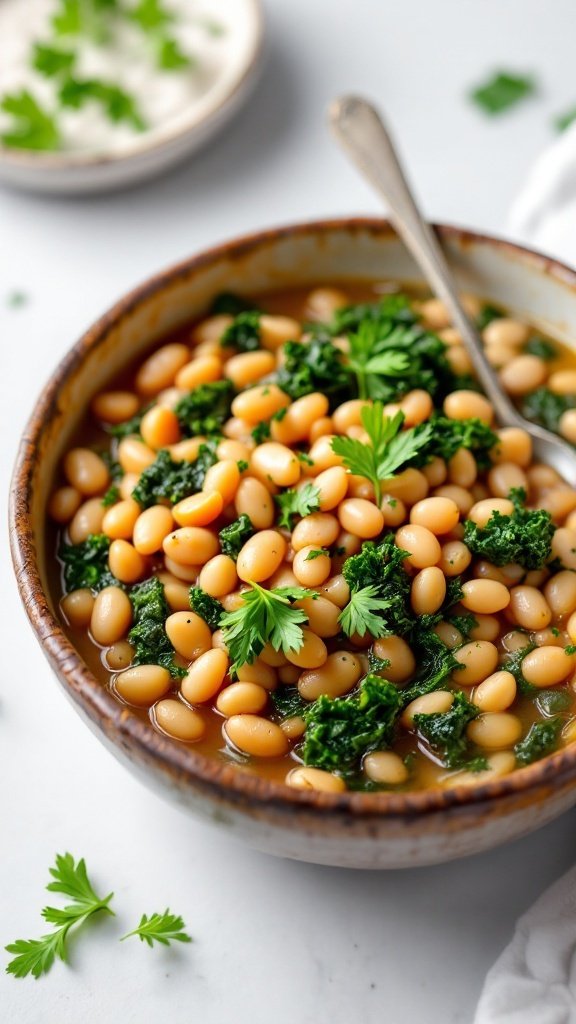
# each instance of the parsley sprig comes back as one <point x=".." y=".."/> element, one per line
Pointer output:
<point x="372" y="354"/>
<point x="163" y="928"/>
<point x="297" y="502"/>
<point x="389" y="449"/>
<point x="358" y="617"/>
<point x="36" y="956"/>
<point x="265" y="616"/>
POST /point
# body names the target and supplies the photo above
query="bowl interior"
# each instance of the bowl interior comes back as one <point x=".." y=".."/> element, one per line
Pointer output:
<point x="526" y="283"/>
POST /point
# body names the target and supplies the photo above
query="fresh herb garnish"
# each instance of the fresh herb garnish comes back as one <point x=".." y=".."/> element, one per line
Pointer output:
<point x="376" y="352"/>
<point x="173" y="480"/>
<point x="359" y="618"/>
<point x="389" y="450"/>
<point x="205" y="409"/>
<point x="33" y="127"/>
<point x="52" y="61"/>
<point x="111" y="497"/>
<point x="265" y="616"/>
<point x="446" y="437"/>
<point x="244" y="333"/>
<point x="36" y="956"/>
<point x="524" y="537"/>
<point x="229" y="304"/>
<point x="316" y="553"/>
<point x="540" y="740"/>
<point x="314" y="365"/>
<point x="148" y="635"/>
<point x="118" y="105"/>
<point x="206" y="606"/>
<point x="295" y="502"/>
<point x="553" y="702"/>
<point x="233" y="537"/>
<point x="341" y="730"/>
<point x="163" y="928"/>
<point x="382" y="567"/>
<point x="563" y="121"/>
<point x="513" y="663"/>
<point x="503" y="91"/>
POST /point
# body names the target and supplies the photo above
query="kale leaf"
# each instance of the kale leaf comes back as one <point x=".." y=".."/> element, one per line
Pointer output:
<point x="513" y="663"/>
<point x="381" y="567"/>
<point x="244" y="333"/>
<point x="540" y="740"/>
<point x="448" y="436"/>
<point x="166" y="479"/>
<point x="205" y="409"/>
<point x="435" y="661"/>
<point x="207" y="607"/>
<point x="287" y="702"/>
<point x="445" y="732"/>
<point x="340" y="730"/>
<point x="148" y="634"/>
<point x="524" y="537"/>
<point x="235" y="535"/>
<point x="395" y="309"/>
<point x="229" y="304"/>
<point x="86" y="564"/>
<point x="314" y="365"/>
<point x="544" y="407"/>
<point x="487" y="314"/>
<point x="127" y="427"/>
<point x="542" y="348"/>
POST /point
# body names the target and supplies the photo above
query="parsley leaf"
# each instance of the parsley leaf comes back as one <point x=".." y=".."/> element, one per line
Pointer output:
<point x="524" y="537"/>
<point x="265" y="616"/>
<point x="297" y="502"/>
<point x="358" y="616"/>
<point x="372" y="357"/>
<point x="118" y="105"/>
<point x="205" y="409"/>
<point x="234" y="536"/>
<point x="381" y="567"/>
<point x="163" y="928"/>
<point x="51" y="61"/>
<point x="111" y="497"/>
<point x="33" y="127"/>
<point x="563" y="121"/>
<point x="341" y="730"/>
<point x="503" y="91"/>
<point x="36" y="956"/>
<point x="390" y="448"/>
<point x="540" y="740"/>
<point x="148" y="634"/>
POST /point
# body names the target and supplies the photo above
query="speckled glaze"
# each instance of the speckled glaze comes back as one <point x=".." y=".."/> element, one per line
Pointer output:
<point x="378" y="830"/>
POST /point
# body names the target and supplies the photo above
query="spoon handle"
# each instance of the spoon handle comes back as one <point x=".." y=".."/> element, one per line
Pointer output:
<point x="361" y="132"/>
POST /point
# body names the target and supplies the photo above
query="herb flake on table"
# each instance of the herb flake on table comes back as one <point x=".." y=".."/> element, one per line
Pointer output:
<point x="163" y="928"/>
<point x="563" y="121"/>
<point x="502" y="91"/>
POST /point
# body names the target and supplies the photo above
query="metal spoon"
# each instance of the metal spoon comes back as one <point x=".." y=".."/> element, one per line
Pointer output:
<point x="362" y="134"/>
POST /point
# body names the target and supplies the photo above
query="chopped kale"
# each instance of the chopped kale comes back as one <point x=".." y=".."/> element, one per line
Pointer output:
<point x="341" y="730"/>
<point x="86" y="564"/>
<point x="111" y="497"/>
<point x="234" y="536"/>
<point x="297" y="502"/>
<point x="542" y="348"/>
<point x="448" y="436"/>
<point x="540" y="740"/>
<point x="464" y="623"/>
<point x="230" y="304"/>
<point x="381" y="566"/>
<point x="445" y="732"/>
<point x="435" y="661"/>
<point x="525" y="537"/>
<point x="513" y="663"/>
<point x="487" y="314"/>
<point x="544" y="407"/>
<point x="127" y="427"/>
<point x="287" y="702"/>
<point x="395" y="308"/>
<point x="377" y="664"/>
<point x="166" y="479"/>
<point x="205" y="409"/>
<point x="553" y="702"/>
<point x="314" y="365"/>
<point x="207" y="607"/>
<point x="244" y="333"/>
<point x="148" y="634"/>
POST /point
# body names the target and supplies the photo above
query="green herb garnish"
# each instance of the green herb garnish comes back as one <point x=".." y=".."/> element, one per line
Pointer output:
<point x="358" y="617"/>
<point x="524" y="537"/>
<point x="173" y="480"/>
<point x="148" y="635"/>
<point x="86" y="564"/>
<point x="205" y="409"/>
<point x="206" y="606"/>
<point x="295" y="502"/>
<point x="33" y="127"/>
<point x="233" y="537"/>
<point x="265" y="616"/>
<point x="540" y="740"/>
<point x="445" y="732"/>
<point x="244" y="333"/>
<point x="163" y="928"/>
<point x="503" y="91"/>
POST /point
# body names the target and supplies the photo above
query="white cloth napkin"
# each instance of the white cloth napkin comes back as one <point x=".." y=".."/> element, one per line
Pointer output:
<point x="534" y="980"/>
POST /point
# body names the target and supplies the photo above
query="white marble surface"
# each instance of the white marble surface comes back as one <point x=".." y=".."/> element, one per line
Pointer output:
<point x="273" y="940"/>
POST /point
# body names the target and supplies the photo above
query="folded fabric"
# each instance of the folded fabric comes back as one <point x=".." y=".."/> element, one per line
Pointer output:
<point x="534" y="981"/>
<point x="544" y="214"/>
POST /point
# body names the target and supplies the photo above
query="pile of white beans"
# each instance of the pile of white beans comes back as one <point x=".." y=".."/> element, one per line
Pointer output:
<point x="425" y="508"/>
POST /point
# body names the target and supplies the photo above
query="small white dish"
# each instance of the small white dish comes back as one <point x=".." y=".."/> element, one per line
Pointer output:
<point x="145" y="155"/>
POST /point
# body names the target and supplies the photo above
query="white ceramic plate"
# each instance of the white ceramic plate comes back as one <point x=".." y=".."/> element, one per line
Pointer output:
<point x="146" y="155"/>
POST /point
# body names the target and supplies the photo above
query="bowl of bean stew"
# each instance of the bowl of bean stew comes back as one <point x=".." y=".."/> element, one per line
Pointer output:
<point x="286" y="563"/>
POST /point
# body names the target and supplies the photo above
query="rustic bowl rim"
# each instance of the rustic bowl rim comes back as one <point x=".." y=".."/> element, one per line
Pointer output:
<point x="150" y="142"/>
<point x="182" y="764"/>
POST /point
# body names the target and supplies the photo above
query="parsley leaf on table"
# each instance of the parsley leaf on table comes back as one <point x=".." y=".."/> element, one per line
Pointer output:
<point x="33" y="127"/>
<point x="563" y="121"/>
<point x="390" y="448"/>
<point x="503" y="91"/>
<point x="36" y="956"/>
<point x="265" y="616"/>
<point x="164" y="928"/>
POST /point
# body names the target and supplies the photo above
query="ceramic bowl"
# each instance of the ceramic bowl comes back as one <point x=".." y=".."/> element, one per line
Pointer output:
<point x="378" y="830"/>
<point x="154" y="151"/>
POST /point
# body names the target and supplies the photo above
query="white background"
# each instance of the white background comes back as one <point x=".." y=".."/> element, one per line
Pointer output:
<point x="274" y="940"/>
